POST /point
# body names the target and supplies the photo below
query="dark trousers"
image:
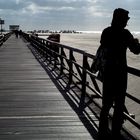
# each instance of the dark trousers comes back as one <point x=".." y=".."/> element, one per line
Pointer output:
<point x="112" y="95"/>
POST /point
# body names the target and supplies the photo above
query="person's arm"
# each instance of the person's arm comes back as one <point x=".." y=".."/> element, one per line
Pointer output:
<point x="133" y="44"/>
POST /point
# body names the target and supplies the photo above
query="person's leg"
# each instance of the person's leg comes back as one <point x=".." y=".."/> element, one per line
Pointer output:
<point x="118" y="116"/>
<point x="107" y="103"/>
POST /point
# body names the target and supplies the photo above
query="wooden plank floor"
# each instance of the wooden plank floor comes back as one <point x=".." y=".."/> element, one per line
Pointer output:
<point x="31" y="107"/>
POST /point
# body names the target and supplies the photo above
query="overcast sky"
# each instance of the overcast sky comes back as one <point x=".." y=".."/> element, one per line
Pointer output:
<point x="66" y="14"/>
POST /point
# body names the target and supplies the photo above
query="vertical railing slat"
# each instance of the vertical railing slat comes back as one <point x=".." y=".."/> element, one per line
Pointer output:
<point x="84" y="77"/>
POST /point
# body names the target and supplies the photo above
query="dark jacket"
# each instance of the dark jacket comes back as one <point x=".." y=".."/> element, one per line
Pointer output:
<point x="116" y="42"/>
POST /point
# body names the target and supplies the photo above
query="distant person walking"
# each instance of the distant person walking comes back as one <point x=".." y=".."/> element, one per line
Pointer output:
<point x="115" y="40"/>
<point x="20" y="33"/>
<point x="16" y="33"/>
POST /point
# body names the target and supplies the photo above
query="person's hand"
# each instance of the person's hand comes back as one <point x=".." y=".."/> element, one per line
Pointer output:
<point x="138" y="46"/>
<point x="136" y="40"/>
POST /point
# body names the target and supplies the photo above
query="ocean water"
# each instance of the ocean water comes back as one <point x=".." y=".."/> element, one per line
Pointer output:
<point x="90" y="42"/>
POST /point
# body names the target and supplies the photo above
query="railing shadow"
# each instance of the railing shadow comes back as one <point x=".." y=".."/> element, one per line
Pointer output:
<point x="88" y="116"/>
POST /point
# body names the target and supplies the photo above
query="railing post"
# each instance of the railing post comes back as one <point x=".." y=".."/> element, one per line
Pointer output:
<point x="47" y="50"/>
<point x="56" y="52"/>
<point x="62" y="61"/>
<point x="50" y="52"/>
<point x="70" y="66"/>
<point x="84" y="77"/>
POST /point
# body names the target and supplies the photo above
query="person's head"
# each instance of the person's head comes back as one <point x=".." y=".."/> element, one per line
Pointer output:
<point x="120" y="18"/>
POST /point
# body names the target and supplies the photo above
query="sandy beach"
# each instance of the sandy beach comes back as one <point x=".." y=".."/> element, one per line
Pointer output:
<point x="89" y="42"/>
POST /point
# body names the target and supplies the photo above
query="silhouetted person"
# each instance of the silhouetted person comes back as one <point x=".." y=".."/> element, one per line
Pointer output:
<point x="115" y="39"/>
<point x="20" y="33"/>
<point x="16" y="33"/>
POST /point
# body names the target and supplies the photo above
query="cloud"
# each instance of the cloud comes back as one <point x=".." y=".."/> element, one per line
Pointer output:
<point x="33" y="8"/>
<point x="18" y="1"/>
<point x="65" y="12"/>
<point x="98" y="12"/>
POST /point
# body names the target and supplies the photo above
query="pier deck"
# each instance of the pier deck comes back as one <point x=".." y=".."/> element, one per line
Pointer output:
<point x="32" y="107"/>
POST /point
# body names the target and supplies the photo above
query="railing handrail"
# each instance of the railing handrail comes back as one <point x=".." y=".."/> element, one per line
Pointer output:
<point x="83" y="70"/>
<point x="4" y="37"/>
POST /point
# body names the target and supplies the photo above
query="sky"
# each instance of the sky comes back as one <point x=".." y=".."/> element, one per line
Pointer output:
<point x="80" y="15"/>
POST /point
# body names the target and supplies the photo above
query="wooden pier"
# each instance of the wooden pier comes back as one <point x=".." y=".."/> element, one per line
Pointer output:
<point x="31" y="107"/>
<point x="36" y="103"/>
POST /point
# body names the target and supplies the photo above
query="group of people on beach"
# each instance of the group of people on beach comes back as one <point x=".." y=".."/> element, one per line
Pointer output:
<point x="114" y="42"/>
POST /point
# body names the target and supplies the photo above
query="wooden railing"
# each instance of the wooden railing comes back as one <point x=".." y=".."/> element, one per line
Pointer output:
<point x="7" y="35"/>
<point x="4" y="37"/>
<point x="76" y="64"/>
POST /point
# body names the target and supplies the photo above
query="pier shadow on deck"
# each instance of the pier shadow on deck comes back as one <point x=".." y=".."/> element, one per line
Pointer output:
<point x="72" y="95"/>
<point x="31" y="107"/>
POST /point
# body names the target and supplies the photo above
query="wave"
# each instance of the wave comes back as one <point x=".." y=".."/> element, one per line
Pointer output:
<point x="99" y="32"/>
<point x="90" y="32"/>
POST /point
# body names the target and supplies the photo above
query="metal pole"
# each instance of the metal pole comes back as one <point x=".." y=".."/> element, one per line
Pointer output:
<point x="1" y="28"/>
<point x="1" y="25"/>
